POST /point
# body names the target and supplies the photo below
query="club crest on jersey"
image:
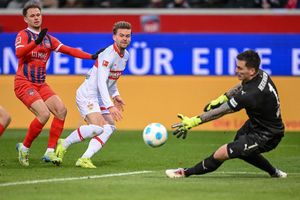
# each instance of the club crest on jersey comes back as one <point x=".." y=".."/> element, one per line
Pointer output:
<point x="47" y="44"/>
<point x="30" y="92"/>
<point x="105" y="63"/>
<point x="90" y="106"/>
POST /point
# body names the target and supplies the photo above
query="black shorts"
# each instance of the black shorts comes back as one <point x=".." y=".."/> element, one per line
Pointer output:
<point x="248" y="142"/>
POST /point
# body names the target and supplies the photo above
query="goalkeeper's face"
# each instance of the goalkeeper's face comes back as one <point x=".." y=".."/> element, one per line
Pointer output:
<point x="122" y="38"/>
<point x="243" y="72"/>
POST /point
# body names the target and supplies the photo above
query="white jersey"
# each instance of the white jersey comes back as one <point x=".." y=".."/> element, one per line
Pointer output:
<point x="100" y="83"/>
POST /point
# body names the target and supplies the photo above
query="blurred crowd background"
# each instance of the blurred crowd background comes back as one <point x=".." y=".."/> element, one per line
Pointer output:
<point x="264" y="4"/>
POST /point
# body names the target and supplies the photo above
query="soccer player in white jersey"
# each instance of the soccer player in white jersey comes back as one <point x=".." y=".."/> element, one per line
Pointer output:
<point x="98" y="99"/>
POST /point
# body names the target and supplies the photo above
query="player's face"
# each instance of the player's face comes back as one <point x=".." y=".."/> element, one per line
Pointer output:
<point x="33" y="18"/>
<point x="122" y="38"/>
<point x="244" y="73"/>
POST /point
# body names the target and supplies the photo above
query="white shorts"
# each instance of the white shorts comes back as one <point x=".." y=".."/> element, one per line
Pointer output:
<point x="89" y="104"/>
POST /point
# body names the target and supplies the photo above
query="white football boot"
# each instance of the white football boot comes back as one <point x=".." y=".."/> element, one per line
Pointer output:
<point x="175" y="173"/>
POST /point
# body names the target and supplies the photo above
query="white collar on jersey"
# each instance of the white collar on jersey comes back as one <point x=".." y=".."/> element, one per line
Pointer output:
<point x="31" y="30"/>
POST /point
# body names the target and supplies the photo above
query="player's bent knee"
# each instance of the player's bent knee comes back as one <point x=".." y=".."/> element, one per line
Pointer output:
<point x="8" y="120"/>
<point x="221" y="154"/>
<point x="43" y="116"/>
<point x="235" y="149"/>
<point x="97" y="130"/>
<point x="109" y="128"/>
<point x="64" y="112"/>
<point x="61" y="112"/>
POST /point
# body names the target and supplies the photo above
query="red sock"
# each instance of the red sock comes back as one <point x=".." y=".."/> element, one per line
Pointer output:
<point x="56" y="129"/>
<point x="1" y="129"/>
<point x="34" y="130"/>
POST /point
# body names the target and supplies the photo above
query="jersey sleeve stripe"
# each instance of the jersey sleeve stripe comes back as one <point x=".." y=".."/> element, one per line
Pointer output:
<point x="232" y="102"/>
<point x="19" y="46"/>
<point x="58" y="47"/>
<point x="29" y="36"/>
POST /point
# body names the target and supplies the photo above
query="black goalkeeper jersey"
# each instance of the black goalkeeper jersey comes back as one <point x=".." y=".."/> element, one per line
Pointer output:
<point x="260" y="98"/>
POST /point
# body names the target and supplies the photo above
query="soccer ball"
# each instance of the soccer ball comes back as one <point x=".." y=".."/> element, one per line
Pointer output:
<point x="155" y="134"/>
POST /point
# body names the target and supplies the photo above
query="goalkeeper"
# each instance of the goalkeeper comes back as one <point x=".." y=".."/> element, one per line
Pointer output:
<point x="261" y="133"/>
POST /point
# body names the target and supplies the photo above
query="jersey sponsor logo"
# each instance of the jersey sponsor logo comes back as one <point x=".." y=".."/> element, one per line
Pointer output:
<point x="39" y="55"/>
<point x="233" y="102"/>
<point x="115" y="75"/>
<point x="105" y="63"/>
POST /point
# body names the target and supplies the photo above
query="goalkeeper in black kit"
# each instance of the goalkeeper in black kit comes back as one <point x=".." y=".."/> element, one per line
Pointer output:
<point x="261" y="133"/>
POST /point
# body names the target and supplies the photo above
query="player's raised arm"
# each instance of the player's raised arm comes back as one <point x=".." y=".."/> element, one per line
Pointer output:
<point x="22" y="45"/>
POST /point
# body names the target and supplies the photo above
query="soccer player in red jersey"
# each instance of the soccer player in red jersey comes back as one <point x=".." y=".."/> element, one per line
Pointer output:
<point x="4" y="120"/>
<point x="33" y="48"/>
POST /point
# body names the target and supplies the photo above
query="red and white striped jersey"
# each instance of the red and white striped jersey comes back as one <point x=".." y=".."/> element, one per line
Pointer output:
<point x="101" y="79"/>
<point x="33" y="58"/>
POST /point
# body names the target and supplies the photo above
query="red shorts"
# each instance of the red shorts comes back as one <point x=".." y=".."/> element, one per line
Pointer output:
<point x="29" y="92"/>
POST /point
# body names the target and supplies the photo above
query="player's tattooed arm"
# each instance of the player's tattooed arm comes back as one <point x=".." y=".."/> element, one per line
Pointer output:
<point x="216" y="113"/>
<point x="233" y="91"/>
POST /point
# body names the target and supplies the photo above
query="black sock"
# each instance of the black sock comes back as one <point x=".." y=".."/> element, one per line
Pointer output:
<point x="209" y="164"/>
<point x="260" y="162"/>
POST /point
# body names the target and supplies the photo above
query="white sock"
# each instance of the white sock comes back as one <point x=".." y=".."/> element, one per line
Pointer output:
<point x="49" y="150"/>
<point x="83" y="132"/>
<point x="25" y="149"/>
<point x="98" y="141"/>
<point x="94" y="147"/>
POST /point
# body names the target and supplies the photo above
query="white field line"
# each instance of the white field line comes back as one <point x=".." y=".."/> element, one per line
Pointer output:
<point x="115" y="175"/>
<point x="71" y="178"/>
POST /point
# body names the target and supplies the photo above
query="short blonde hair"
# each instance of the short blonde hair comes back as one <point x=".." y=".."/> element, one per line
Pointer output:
<point x="121" y="25"/>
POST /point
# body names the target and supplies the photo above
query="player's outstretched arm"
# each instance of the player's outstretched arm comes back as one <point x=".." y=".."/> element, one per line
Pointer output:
<point x="95" y="55"/>
<point x="233" y="91"/>
<point x="187" y="123"/>
<point x="79" y="53"/>
<point x="74" y="52"/>
<point x="223" y="98"/>
<point x="216" y="103"/>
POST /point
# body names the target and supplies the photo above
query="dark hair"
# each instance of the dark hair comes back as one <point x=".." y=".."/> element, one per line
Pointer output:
<point x="251" y="57"/>
<point x="31" y="4"/>
<point x="121" y="25"/>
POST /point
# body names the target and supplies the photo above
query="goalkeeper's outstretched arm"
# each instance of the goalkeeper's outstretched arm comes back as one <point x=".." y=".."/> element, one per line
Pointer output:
<point x="216" y="113"/>
<point x="233" y="91"/>
<point x="188" y="123"/>
<point x="216" y="103"/>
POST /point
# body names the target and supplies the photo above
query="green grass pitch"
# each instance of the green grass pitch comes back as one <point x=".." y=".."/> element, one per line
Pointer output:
<point x="126" y="152"/>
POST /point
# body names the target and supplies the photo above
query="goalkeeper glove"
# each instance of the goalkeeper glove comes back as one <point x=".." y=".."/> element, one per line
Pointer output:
<point x="216" y="103"/>
<point x="185" y="125"/>
<point x="41" y="36"/>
